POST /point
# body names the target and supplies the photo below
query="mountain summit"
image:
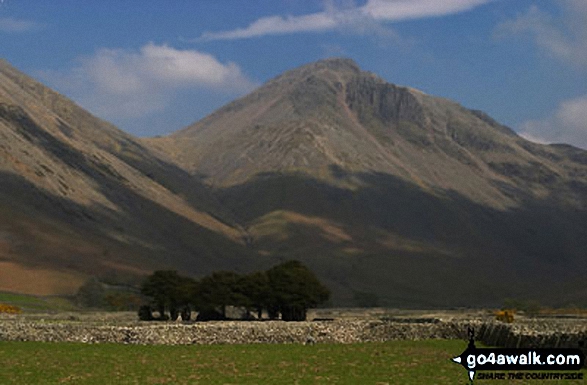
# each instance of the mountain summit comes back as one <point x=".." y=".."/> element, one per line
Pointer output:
<point x="330" y="115"/>
<point x="391" y="193"/>
<point x="391" y="196"/>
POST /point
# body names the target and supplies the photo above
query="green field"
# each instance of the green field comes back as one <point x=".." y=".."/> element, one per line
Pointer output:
<point x="30" y="303"/>
<point x="398" y="362"/>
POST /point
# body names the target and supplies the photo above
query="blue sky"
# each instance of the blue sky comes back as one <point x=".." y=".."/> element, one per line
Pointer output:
<point x="152" y="67"/>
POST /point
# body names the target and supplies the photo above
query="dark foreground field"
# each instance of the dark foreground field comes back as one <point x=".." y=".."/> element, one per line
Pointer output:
<point x="396" y="362"/>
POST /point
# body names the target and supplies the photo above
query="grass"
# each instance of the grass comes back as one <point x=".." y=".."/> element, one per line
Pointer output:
<point x="398" y="362"/>
<point x="30" y="303"/>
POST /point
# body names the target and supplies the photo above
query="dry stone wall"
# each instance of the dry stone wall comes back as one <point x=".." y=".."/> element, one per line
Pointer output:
<point x="236" y="332"/>
<point x="530" y="333"/>
<point x="535" y="334"/>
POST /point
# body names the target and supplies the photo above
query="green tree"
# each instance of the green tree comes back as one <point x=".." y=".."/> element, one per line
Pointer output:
<point x="186" y="288"/>
<point x="295" y="289"/>
<point x="168" y="290"/>
<point x="257" y="292"/>
<point x="145" y="313"/>
<point x="219" y="290"/>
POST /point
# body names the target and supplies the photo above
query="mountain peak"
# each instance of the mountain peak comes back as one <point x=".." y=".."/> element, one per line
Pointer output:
<point x="331" y="68"/>
<point x="387" y="173"/>
<point x="337" y="64"/>
<point x="384" y="191"/>
<point x="330" y="112"/>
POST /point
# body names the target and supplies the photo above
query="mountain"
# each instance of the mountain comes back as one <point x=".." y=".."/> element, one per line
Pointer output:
<point x="78" y="197"/>
<point x="391" y="195"/>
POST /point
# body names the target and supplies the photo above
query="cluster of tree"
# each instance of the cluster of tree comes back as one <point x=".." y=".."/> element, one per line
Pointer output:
<point x="288" y="289"/>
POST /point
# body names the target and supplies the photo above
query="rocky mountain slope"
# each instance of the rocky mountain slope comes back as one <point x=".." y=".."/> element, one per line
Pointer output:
<point x="78" y="197"/>
<point x="331" y="115"/>
<point x="394" y="196"/>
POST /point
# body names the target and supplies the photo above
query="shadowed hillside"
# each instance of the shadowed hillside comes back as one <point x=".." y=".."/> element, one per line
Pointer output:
<point x="393" y="197"/>
<point x="388" y="192"/>
<point x="413" y="248"/>
<point x="79" y="197"/>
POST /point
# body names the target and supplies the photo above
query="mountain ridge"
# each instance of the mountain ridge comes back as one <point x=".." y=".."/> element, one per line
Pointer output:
<point x="357" y="177"/>
<point x="451" y="134"/>
<point x="84" y="198"/>
<point x="384" y="191"/>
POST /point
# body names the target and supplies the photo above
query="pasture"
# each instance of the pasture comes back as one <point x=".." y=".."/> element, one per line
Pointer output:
<point x="395" y="362"/>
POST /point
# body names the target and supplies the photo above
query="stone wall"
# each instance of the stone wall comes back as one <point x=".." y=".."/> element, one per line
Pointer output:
<point x="237" y="332"/>
<point x="534" y="334"/>
<point x="522" y="334"/>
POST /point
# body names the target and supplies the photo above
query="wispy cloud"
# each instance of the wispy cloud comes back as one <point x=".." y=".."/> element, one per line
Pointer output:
<point x="563" y="37"/>
<point x="276" y="25"/>
<point x="397" y="10"/>
<point x="11" y="25"/>
<point x="567" y="125"/>
<point x="359" y="19"/>
<point x="115" y="83"/>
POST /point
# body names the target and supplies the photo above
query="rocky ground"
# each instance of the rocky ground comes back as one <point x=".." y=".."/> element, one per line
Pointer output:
<point x="329" y="326"/>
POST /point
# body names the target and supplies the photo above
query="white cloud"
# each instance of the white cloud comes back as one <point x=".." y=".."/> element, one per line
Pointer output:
<point x="567" y="125"/>
<point x="358" y="19"/>
<point x="276" y="25"/>
<point x="115" y="83"/>
<point x="396" y="10"/>
<point x="564" y="37"/>
<point x="11" y="25"/>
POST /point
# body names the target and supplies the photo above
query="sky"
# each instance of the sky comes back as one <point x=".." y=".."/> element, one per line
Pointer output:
<point x="153" y="67"/>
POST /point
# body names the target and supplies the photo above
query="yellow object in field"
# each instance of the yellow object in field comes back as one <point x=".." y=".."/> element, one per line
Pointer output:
<point x="10" y="309"/>
<point x="506" y="316"/>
